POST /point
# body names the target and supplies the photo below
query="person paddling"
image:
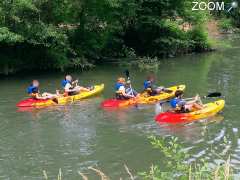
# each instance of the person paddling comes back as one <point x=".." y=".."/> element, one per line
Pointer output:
<point x="151" y="88"/>
<point x="182" y="106"/>
<point x="124" y="92"/>
<point x="71" y="87"/>
<point x="33" y="92"/>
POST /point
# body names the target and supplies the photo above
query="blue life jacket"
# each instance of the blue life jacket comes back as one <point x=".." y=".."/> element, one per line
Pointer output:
<point x="147" y="84"/>
<point x="64" y="82"/>
<point x="174" y="102"/>
<point x="32" y="89"/>
<point x="118" y="85"/>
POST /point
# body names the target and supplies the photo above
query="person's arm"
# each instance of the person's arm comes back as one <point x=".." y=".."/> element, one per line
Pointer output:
<point x="127" y="95"/>
<point x="38" y="96"/>
<point x="67" y="88"/>
<point x="194" y="100"/>
<point x="84" y="89"/>
<point x="75" y="83"/>
<point x="123" y="91"/>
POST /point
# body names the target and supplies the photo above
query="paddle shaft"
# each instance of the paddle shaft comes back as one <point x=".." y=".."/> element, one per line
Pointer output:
<point x="210" y="95"/>
<point x="130" y="84"/>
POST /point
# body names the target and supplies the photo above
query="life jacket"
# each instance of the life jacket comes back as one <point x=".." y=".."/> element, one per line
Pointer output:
<point x="174" y="102"/>
<point x="178" y="105"/>
<point x="118" y="93"/>
<point x="118" y="85"/>
<point x="65" y="82"/>
<point x="32" y="89"/>
<point x="147" y="85"/>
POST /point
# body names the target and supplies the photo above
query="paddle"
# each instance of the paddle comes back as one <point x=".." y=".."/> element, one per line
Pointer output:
<point x="127" y="74"/>
<point x="158" y="107"/>
<point x="130" y="85"/>
<point x="128" y="78"/>
<point x="214" y="94"/>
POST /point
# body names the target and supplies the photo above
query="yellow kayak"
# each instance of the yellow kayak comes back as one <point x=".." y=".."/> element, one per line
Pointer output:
<point x="209" y="109"/>
<point x="144" y="98"/>
<point x="30" y="102"/>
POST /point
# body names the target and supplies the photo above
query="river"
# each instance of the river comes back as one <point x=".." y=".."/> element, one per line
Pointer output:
<point x="82" y="134"/>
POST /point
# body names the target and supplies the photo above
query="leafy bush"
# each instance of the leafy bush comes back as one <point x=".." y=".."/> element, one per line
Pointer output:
<point x="225" y="24"/>
<point x="199" y="38"/>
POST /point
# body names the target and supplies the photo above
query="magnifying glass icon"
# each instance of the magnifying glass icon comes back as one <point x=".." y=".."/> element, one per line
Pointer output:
<point x="234" y="5"/>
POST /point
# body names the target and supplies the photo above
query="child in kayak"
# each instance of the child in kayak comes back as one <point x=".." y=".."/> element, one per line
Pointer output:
<point x="182" y="106"/>
<point x="71" y="87"/>
<point x="151" y="88"/>
<point x="123" y="90"/>
<point x="33" y="91"/>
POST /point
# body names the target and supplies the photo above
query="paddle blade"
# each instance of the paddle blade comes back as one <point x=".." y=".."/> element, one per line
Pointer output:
<point x="158" y="108"/>
<point x="214" y="94"/>
<point x="127" y="73"/>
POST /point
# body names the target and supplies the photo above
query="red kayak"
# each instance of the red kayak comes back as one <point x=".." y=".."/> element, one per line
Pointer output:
<point x="170" y="117"/>
<point x="30" y="102"/>
<point x="111" y="103"/>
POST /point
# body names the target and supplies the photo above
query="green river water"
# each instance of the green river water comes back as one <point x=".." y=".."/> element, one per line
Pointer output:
<point x="82" y="134"/>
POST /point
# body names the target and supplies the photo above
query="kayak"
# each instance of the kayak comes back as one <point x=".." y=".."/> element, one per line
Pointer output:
<point x="144" y="98"/>
<point x="30" y="102"/>
<point x="210" y="109"/>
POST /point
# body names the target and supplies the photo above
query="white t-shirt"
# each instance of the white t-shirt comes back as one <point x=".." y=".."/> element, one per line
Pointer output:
<point x="121" y="88"/>
<point x="67" y="87"/>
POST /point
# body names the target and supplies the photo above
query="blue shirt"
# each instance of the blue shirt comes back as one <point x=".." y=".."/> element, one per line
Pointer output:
<point x="174" y="102"/>
<point x="147" y="84"/>
<point x="32" y="89"/>
<point x="65" y="82"/>
<point x="118" y="85"/>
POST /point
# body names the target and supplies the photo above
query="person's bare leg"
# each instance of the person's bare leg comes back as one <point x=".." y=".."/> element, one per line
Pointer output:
<point x="49" y="95"/>
<point x="58" y="93"/>
<point x="84" y="89"/>
<point x="189" y="107"/>
<point x="197" y="106"/>
<point x="198" y="100"/>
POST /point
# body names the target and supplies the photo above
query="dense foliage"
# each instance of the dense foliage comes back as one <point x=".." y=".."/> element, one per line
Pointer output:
<point x="54" y="34"/>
